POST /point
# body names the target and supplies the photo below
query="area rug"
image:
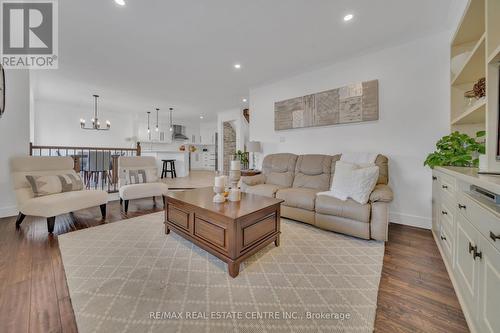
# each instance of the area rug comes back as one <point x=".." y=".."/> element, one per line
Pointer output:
<point x="129" y="276"/>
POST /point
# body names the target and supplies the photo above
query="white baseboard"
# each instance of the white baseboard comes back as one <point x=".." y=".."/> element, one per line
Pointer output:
<point x="411" y="220"/>
<point x="8" y="211"/>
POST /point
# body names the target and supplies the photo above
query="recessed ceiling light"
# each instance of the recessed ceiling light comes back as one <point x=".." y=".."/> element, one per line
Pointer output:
<point x="120" y="2"/>
<point x="201" y="117"/>
<point x="237" y="66"/>
<point x="348" y="17"/>
<point x="244" y="100"/>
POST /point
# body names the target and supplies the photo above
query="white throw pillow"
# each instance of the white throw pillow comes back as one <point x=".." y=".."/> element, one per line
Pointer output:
<point x="341" y="184"/>
<point x="354" y="181"/>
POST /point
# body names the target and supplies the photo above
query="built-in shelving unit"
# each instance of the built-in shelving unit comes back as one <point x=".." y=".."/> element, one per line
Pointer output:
<point x="475" y="114"/>
<point x="475" y="54"/>
<point x="473" y="66"/>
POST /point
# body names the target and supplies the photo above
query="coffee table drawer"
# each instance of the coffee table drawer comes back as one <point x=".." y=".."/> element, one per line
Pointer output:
<point x="258" y="230"/>
<point x="178" y="217"/>
<point x="210" y="232"/>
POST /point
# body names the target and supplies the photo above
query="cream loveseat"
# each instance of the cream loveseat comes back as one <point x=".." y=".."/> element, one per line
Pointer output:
<point x="298" y="178"/>
<point x="143" y="183"/>
<point x="51" y="205"/>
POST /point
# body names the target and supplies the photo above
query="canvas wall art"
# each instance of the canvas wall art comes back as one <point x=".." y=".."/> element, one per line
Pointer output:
<point x="353" y="103"/>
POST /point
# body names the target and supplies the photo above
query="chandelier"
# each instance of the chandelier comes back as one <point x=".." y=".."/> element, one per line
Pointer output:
<point x="96" y="124"/>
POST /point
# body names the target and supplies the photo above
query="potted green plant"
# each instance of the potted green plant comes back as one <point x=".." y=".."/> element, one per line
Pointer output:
<point x="457" y="149"/>
<point x="242" y="156"/>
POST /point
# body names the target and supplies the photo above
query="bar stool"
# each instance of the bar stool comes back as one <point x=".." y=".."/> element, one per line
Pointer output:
<point x="166" y="169"/>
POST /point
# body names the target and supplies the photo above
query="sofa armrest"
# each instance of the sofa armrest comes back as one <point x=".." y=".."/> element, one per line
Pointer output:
<point x="254" y="180"/>
<point x="381" y="193"/>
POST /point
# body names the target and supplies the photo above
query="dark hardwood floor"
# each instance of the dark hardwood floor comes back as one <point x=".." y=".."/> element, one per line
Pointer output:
<point x="416" y="294"/>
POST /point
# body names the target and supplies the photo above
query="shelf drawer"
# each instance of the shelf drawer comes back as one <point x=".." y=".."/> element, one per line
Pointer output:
<point x="447" y="216"/>
<point x="447" y="187"/>
<point x="486" y="222"/>
<point x="446" y="241"/>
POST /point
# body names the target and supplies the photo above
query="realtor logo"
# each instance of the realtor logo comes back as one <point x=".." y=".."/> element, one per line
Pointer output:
<point x="29" y="34"/>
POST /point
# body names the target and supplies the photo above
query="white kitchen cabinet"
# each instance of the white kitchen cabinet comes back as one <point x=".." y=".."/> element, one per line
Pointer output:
<point x="207" y="136"/>
<point x="466" y="268"/>
<point x="488" y="314"/>
<point x="163" y="135"/>
<point x="435" y="204"/>
<point x="207" y="133"/>
<point x="466" y="227"/>
<point x="203" y="160"/>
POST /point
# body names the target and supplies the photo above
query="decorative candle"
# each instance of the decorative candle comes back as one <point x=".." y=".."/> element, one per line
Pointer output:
<point x="220" y="181"/>
<point x="235" y="165"/>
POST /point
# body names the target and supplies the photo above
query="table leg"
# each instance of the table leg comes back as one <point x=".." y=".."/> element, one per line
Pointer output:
<point x="233" y="268"/>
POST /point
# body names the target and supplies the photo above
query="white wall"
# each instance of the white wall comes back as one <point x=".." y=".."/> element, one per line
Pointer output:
<point x="414" y="114"/>
<point x="14" y="133"/>
<point x="59" y="124"/>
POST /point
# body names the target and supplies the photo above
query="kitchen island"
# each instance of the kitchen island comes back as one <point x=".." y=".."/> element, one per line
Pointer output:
<point x="181" y="160"/>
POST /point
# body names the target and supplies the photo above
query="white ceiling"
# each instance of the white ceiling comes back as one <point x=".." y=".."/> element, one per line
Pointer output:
<point x="181" y="53"/>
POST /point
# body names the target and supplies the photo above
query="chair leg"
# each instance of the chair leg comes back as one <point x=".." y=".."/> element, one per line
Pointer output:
<point x="121" y="201"/>
<point x="51" y="221"/>
<point x="154" y="201"/>
<point x="126" y="206"/>
<point x="103" y="211"/>
<point x="173" y="169"/>
<point x="163" y="171"/>
<point x="20" y="219"/>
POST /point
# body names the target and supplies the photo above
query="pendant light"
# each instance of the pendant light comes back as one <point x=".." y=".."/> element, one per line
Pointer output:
<point x="157" y="128"/>
<point x="96" y="124"/>
<point x="149" y="129"/>
<point x="171" y="124"/>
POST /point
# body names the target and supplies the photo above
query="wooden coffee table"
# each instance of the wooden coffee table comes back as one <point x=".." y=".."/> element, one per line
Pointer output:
<point x="231" y="231"/>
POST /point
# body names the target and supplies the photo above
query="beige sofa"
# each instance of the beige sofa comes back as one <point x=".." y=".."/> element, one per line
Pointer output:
<point x="50" y="206"/>
<point x="298" y="178"/>
<point x="152" y="188"/>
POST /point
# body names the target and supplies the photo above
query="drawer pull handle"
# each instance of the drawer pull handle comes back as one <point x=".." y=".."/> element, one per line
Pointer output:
<point x="493" y="236"/>
<point x="444" y="186"/>
<point x="477" y="254"/>
<point x="434" y="178"/>
<point x="443" y="238"/>
<point x="471" y="248"/>
<point x="462" y="206"/>
<point x="444" y="212"/>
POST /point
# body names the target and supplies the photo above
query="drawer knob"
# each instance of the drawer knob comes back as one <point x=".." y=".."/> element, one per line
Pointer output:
<point x="443" y="238"/>
<point x="444" y="212"/>
<point x="460" y="206"/>
<point x="434" y="178"/>
<point x="493" y="236"/>
<point x="444" y="186"/>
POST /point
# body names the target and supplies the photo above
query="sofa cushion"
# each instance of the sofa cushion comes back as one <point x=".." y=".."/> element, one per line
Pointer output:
<point x="267" y="190"/>
<point x="298" y="197"/>
<point x="62" y="203"/>
<point x="137" y="191"/>
<point x="350" y="209"/>
<point x="253" y="180"/>
<point x="279" y="169"/>
<point x="313" y="171"/>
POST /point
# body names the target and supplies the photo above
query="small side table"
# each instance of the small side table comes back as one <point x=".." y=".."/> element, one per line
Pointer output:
<point x="250" y="172"/>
